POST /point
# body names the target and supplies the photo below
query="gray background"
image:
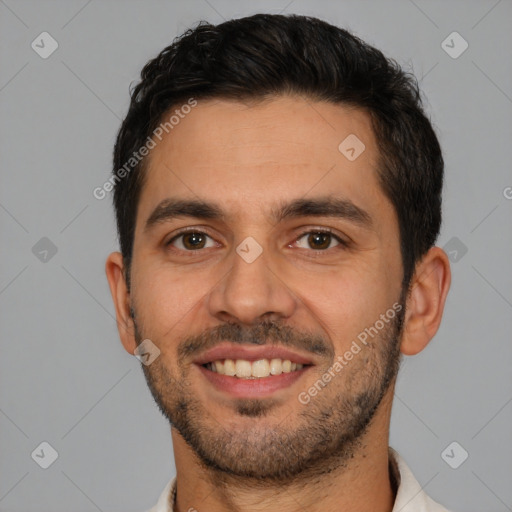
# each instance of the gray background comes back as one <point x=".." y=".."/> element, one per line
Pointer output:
<point x="64" y="376"/>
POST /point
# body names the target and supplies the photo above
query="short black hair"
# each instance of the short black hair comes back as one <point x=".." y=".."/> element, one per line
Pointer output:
<point x="265" y="55"/>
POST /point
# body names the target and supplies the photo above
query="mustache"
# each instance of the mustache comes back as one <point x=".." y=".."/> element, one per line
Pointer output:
<point x="262" y="334"/>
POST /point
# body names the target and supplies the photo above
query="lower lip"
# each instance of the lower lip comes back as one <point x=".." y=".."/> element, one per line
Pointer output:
<point x="251" y="388"/>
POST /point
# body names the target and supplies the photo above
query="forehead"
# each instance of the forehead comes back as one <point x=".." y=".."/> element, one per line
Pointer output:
<point x="247" y="156"/>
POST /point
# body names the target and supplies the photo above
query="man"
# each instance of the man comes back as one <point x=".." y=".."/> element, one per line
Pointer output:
<point x="278" y="197"/>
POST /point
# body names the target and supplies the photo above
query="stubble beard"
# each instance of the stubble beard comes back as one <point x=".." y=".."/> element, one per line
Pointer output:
<point x="324" y="435"/>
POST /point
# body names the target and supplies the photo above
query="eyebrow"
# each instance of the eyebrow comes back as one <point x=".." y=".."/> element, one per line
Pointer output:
<point x="170" y="209"/>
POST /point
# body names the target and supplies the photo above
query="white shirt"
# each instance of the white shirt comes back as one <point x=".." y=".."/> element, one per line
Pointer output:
<point x="409" y="497"/>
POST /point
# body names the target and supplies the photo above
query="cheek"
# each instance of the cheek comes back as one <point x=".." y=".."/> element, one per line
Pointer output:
<point x="167" y="301"/>
<point x="347" y="300"/>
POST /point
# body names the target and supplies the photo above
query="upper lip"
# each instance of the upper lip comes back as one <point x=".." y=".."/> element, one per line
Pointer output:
<point x="250" y="353"/>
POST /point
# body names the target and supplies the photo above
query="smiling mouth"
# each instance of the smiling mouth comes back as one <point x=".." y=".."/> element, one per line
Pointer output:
<point x="261" y="368"/>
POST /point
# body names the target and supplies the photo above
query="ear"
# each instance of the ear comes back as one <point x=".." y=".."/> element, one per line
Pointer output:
<point x="115" y="271"/>
<point x="425" y="301"/>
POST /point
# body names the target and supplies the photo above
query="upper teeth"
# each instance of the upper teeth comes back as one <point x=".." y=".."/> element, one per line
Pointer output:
<point x="253" y="369"/>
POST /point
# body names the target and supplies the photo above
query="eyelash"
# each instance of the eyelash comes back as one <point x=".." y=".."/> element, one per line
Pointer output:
<point x="343" y="243"/>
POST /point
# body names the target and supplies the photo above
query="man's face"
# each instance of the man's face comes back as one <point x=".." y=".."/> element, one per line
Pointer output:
<point x="310" y="292"/>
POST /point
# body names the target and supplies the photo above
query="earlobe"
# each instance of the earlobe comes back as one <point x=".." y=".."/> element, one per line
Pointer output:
<point x="425" y="301"/>
<point x="115" y="271"/>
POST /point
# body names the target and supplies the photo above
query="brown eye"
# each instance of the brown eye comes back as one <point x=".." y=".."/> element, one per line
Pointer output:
<point x="191" y="241"/>
<point x="319" y="240"/>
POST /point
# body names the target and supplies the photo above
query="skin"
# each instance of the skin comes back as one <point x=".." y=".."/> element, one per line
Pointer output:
<point x="276" y="453"/>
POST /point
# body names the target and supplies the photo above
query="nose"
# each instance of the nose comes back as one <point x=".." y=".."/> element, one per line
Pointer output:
<point x="250" y="293"/>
